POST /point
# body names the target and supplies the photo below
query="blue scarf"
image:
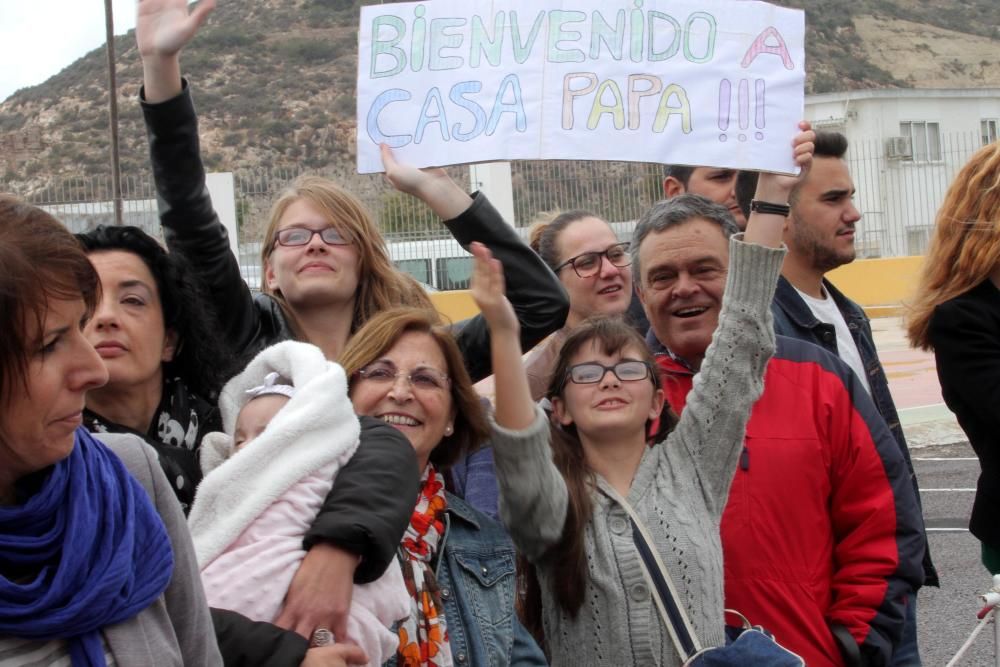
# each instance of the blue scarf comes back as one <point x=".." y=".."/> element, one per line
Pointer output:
<point x="101" y="552"/>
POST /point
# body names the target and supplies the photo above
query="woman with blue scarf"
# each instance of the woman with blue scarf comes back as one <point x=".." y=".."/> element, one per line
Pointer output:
<point x="96" y="564"/>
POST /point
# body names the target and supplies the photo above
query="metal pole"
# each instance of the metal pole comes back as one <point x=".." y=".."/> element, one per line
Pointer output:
<point x="116" y="185"/>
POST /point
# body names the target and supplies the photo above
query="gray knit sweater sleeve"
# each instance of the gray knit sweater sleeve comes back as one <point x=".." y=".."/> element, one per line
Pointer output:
<point x="731" y="378"/>
<point x="533" y="495"/>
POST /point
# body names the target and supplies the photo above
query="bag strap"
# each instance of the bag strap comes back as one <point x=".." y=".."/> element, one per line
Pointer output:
<point x="665" y="596"/>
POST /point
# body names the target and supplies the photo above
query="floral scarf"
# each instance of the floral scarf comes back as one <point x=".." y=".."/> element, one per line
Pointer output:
<point x="423" y="636"/>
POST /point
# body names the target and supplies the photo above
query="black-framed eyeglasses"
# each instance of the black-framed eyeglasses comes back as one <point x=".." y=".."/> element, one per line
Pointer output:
<point x="589" y="263"/>
<point x="629" y="370"/>
<point x="421" y="379"/>
<point x="299" y="236"/>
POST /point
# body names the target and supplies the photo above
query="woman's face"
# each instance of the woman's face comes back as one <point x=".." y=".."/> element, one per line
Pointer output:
<point x="316" y="273"/>
<point x="609" y="290"/>
<point x="611" y="407"/>
<point x="127" y="329"/>
<point x="399" y="388"/>
<point x="37" y="425"/>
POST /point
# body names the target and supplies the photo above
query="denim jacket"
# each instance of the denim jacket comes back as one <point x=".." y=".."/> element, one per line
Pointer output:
<point x="793" y="318"/>
<point x="475" y="570"/>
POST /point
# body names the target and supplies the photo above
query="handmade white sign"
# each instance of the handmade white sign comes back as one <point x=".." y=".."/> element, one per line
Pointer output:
<point x="712" y="82"/>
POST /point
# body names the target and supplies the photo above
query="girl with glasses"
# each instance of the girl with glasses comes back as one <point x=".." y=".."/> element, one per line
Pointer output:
<point x="561" y="480"/>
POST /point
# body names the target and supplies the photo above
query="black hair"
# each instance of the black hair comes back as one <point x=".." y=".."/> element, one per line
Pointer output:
<point x="681" y="172"/>
<point x="201" y="360"/>
<point x="829" y="144"/>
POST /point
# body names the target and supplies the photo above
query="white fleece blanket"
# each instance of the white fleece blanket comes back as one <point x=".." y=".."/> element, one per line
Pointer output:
<point x="316" y="428"/>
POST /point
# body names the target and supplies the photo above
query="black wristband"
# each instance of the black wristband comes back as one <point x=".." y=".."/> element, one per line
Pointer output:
<point x="770" y="208"/>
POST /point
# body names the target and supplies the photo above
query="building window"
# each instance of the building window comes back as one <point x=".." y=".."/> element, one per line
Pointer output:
<point x="926" y="138"/>
<point x="988" y="127"/>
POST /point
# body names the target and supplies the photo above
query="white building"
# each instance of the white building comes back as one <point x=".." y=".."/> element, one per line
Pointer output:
<point x="905" y="148"/>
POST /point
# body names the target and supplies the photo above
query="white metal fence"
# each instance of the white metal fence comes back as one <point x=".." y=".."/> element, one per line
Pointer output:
<point x="897" y="197"/>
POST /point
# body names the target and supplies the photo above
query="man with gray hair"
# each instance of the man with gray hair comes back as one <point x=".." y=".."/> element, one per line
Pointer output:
<point x="819" y="235"/>
<point x="822" y="535"/>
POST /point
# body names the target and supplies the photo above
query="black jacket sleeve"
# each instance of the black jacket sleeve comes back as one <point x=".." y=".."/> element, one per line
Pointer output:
<point x="370" y="505"/>
<point x="246" y="643"/>
<point x="537" y="295"/>
<point x="191" y="227"/>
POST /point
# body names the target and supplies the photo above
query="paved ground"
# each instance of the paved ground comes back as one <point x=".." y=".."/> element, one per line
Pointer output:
<point x="947" y="470"/>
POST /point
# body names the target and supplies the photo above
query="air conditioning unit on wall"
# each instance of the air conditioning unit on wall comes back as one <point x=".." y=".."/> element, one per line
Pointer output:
<point x="899" y="148"/>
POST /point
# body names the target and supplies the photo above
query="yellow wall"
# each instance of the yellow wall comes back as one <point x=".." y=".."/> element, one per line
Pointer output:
<point x="878" y="282"/>
<point x="881" y="285"/>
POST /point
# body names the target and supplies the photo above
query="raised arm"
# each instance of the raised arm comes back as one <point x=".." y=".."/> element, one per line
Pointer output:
<point x="533" y="495"/>
<point x="713" y="424"/>
<point x="535" y="293"/>
<point x="191" y="226"/>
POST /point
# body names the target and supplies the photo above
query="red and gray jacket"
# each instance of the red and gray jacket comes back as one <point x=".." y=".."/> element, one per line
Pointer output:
<point x="822" y="535"/>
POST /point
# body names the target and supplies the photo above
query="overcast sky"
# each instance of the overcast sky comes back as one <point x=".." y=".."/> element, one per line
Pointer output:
<point x="38" y="38"/>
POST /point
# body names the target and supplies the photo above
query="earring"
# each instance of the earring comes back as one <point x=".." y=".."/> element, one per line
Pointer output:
<point x="448" y="430"/>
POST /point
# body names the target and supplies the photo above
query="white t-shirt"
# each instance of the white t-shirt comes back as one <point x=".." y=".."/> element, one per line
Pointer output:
<point x="826" y="310"/>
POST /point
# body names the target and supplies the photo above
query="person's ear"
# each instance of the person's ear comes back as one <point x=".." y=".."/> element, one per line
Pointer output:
<point x="450" y="428"/>
<point x="559" y="411"/>
<point x="672" y="187"/>
<point x="269" y="277"/>
<point x="169" y="346"/>
<point x="656" y="407"/>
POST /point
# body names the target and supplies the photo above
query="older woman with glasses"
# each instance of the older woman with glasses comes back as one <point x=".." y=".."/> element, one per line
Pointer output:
<point x="458" y="564"/>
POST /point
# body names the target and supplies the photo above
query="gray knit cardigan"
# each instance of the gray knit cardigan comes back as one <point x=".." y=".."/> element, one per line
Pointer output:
<point x="679" y="491"/>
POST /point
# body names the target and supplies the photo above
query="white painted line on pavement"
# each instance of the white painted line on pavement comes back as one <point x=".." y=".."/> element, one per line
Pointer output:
<point x="945" y="490"/>
<point x="946" y="530"/>
<point x="945" y="458"/>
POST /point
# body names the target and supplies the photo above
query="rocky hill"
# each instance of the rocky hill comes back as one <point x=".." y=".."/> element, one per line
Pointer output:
<point x="275" y="82"/>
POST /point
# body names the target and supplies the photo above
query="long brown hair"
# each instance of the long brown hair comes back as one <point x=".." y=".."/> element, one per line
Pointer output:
<point x="965" y="248"/>
<point x="569" y="588"/>
<point x="382" y="332"/>
<point x="41" y="261"/>
<point x="381" y="284"/>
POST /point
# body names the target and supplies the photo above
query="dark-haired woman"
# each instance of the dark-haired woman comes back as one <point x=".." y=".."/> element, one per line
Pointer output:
<point x="159" y="343"/>
<point x="96" y="563"/>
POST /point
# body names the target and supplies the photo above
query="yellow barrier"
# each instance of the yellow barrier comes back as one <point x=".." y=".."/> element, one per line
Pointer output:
<point x="880" y="285"/>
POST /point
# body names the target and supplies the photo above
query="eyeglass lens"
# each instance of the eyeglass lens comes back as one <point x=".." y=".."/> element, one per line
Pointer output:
<point x="419" y="378"/>
<point x="297" y="236"/>
<point x="589" y="263"/>
<point x="626" y="371"/>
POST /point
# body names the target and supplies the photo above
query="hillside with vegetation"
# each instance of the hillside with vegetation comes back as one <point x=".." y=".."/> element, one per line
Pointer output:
<point x="274" y="82"/>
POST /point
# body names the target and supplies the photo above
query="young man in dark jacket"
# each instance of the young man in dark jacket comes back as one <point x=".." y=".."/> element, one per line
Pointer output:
<point x="820" y="237"/>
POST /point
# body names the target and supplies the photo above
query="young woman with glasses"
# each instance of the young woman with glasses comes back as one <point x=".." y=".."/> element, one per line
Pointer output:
<point x="321" y="291"/>
<point x="585" y="594"/>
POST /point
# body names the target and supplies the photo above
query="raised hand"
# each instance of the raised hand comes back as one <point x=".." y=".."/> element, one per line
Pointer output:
<point x="164" y="27"/>
<point x="777" y="187"/>
<point x="487" y="289"/>
<point x="767" y="229"/>
<point x="433" y="185"/>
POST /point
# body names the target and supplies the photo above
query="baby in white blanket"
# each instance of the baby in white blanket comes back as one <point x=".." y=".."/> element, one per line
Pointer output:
<point x="293" y="428"/>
